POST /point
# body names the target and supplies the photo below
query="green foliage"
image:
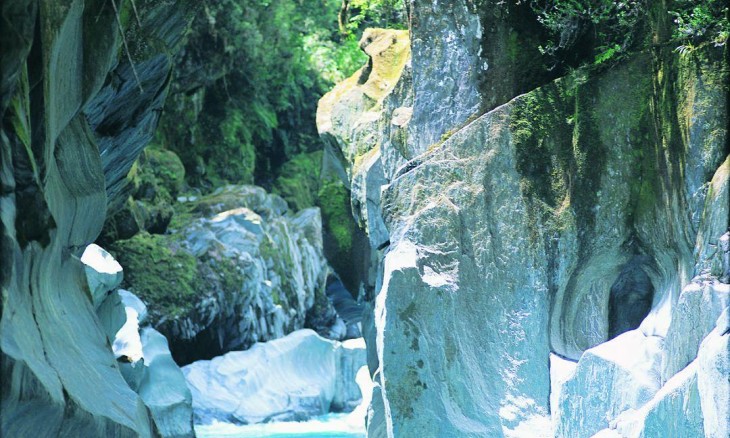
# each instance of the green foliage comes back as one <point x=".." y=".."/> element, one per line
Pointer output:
<point x="244" y="98"/>
<point x="700" y="21"/>
<point x="334" y="60"/>
<point x="298" y="180"/>
<point x="609" y="27"/>
<point x="375" y="13"/>
<point x="607" y="54"/>
<point x="233" y="157"/>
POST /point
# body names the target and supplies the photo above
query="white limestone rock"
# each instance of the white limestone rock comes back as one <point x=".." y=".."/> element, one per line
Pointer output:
<point x="560" y="371"/>
<point x="693" y="317"/>
<point x="610" y="378"/>
<point x="713" y="378"/>
<point x="674" y="410"/>
<point x="144" y="359"/>
<point x="290" y="378"/>
<point x="163" y="388"/>
<point x="103" y="272"/>
<point x="348" y="389"/>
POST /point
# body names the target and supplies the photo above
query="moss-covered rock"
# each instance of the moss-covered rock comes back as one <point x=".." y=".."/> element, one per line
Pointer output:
<point x="160" y="174"/>
<point x="160" y="272"/>
<point x="237" y="267"/>
<point x="334" y="199"/>
<point x="155" y="180"/>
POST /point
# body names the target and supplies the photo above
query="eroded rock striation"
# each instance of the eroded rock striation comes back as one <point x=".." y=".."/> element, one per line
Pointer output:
<point x="586" y="217"/>
<point x="76" y="111"/>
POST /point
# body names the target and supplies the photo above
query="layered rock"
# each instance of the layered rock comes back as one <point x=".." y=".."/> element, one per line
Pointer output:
<point x="239" y="268"/>
<point x="569" y="216"/>
<point x="291" y="378"/>
<point x="147" y="365"/>
<point x="75" y="114"/>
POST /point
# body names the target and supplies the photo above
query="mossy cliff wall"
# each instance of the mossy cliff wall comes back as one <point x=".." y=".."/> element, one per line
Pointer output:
<point x="77" y="107"/>
<point x="509" y="230"/>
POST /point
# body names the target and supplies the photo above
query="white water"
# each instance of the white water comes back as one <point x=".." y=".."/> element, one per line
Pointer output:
<point x="350" y="425"/>
<point x="328" y="426"/>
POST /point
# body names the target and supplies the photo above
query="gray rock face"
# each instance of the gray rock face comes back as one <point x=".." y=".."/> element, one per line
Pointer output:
<point x="565" y="217"/>
<point x="59" y="376"/>
<point x="163" y="388"/>
<point x="103" y="273"/>
<point x="693" y="318"/>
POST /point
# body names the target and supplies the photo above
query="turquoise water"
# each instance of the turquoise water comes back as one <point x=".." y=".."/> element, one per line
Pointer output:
<point x="328" y="426"/>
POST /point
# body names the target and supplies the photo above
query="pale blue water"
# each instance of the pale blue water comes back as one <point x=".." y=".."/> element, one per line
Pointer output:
<point x="328" y="426"/>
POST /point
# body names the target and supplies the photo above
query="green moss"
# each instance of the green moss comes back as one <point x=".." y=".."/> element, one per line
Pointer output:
<point x="233" y="158"/>
<point x="543" y="138"/>
<point x="407" y="393"/>
<point x="562" y="134"/>
<point x="334" y="202"/>
<point x="298" y="180"/>
<point x="164" y="167"/>
<point x="160" y="272"/>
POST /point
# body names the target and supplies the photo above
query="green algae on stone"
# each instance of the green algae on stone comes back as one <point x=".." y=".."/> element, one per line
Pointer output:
<point x="334" y="201"/>
<point x="161" y="273"/>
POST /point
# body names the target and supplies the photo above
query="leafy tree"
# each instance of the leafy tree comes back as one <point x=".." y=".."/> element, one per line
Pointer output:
<point x="698" y="22"/>
<point x="248" y="81"/>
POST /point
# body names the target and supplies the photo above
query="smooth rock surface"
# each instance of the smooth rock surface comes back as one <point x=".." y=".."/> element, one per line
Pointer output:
<point x="163" y="388"/>
<point x="103" y="272"/>
<point x="674" y="410"/>
<point x="611" y="378"/>
<point x="291" y="378"/>
<point x="713" y="378"/>
<point x="693" y="318"/>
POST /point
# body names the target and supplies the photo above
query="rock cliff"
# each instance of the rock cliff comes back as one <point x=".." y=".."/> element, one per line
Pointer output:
<point x="512" y="215"/>
<point x="81" y="87"/>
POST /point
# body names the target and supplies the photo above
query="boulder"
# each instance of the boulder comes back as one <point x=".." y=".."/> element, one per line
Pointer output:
<point x="291" y="378"/>
<point x="145" y="361"/>
<point x="163" y="388"/>
<point x="244" y="268"/>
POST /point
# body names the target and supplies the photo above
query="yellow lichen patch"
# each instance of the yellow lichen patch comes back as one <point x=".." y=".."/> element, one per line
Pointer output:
<point x="721" y="177"/>
<point x="328" y="101"/>
<point x="389" y="51"/>
<point x="364" y="158"/>
<point x="352" y="112"/>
